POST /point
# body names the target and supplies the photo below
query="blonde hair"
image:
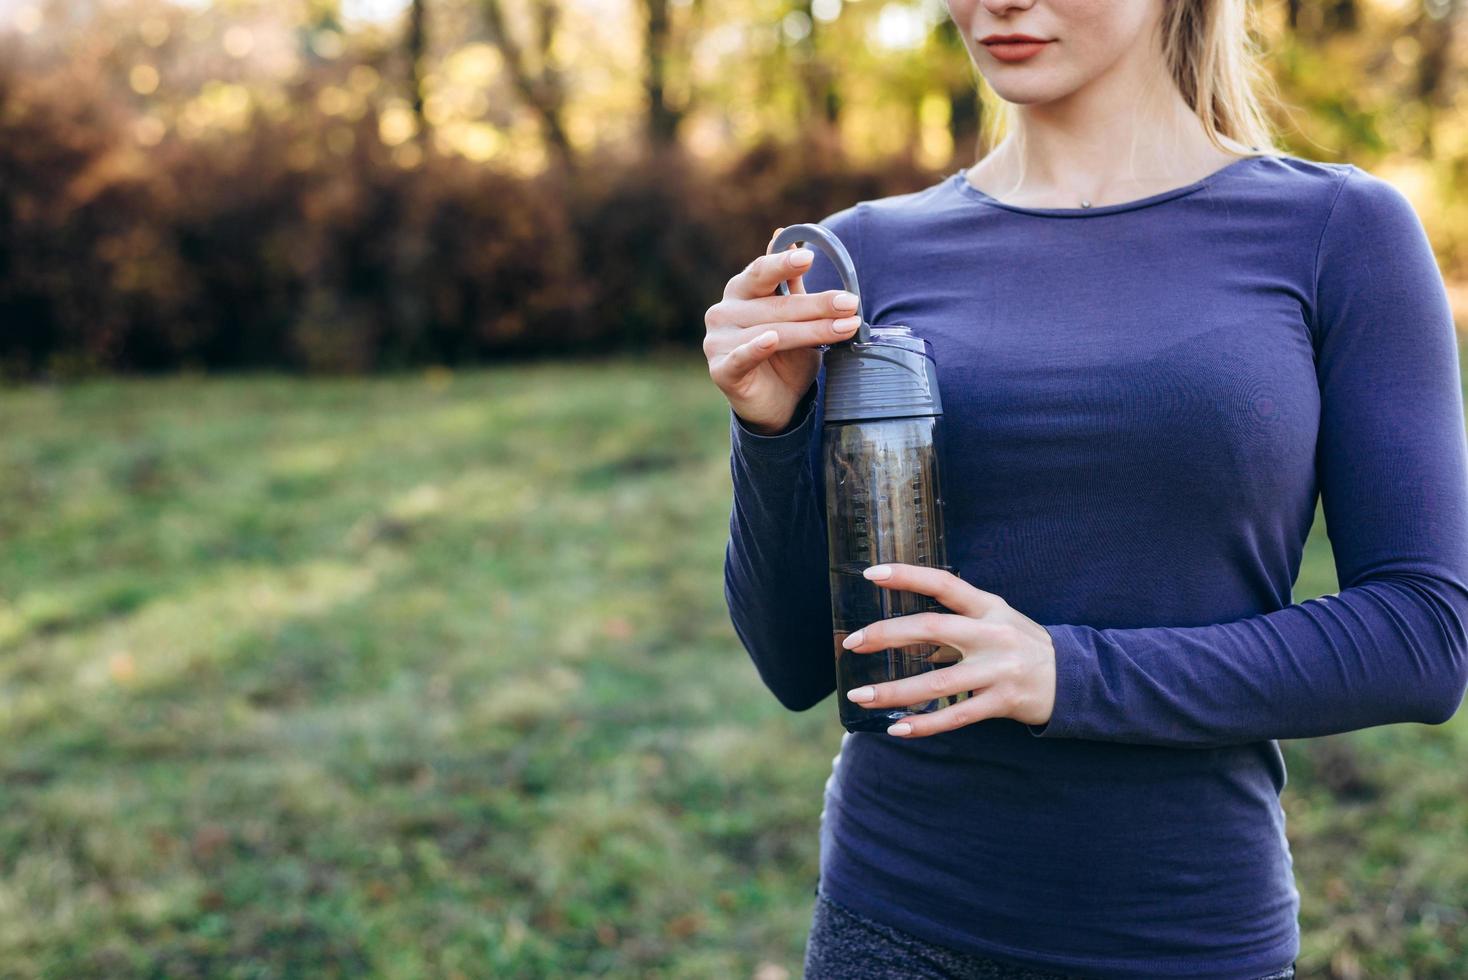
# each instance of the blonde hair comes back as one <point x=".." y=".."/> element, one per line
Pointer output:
<point x="1213" y="55"/>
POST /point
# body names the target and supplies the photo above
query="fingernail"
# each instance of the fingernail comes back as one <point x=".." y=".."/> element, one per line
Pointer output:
<point x="846" y="324"/>
<point x="845" y="301"/>
<point x="853" y="640"/>
<point x="801" y="256"/>
<point x="901" y="728"/>
<point x="878" y="572"/>
<point x="767" y="338"/>
<point x="862" y="694"/>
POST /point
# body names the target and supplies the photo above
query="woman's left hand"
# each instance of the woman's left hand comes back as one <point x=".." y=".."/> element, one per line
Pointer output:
<point x="1008" y="659"/>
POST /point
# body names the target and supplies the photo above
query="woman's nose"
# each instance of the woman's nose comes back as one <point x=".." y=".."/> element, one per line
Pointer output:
<point x="1001" y="7"/>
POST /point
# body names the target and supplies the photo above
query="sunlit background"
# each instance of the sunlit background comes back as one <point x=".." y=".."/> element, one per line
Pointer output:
<point x="342" y="187"/>
<point x="363" y="493"/>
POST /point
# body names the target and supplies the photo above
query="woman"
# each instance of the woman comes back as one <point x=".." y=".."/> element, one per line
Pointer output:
<point x="1155" y="348"/>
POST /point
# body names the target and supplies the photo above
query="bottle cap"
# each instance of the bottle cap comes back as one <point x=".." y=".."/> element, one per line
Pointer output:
<point x="892" y="376"/>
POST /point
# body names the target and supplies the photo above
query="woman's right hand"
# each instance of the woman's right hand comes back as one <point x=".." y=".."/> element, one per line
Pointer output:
<point x="761" y="346"/>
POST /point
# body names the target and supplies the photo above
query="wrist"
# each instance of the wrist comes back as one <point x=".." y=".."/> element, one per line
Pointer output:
<point x="791" y="423"/>
<point x="763" y="430"/>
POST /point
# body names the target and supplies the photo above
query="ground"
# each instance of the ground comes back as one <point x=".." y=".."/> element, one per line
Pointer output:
<point x="431" y="676"/>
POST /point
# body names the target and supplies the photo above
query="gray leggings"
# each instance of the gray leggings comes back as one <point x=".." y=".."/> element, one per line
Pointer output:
<point x="845" y="945"/>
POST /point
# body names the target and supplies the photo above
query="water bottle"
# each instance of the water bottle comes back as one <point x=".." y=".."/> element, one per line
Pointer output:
<point x="880" y="446"/>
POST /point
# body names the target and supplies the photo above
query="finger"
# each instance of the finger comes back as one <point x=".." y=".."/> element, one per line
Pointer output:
<point x="921" y="688"/>
<point x="941" y="584"/>
<point x="947" y="682"/>
<point x="962" y="632"/>
<point x="784" y="309"/>
<point x="988" y="703"/>
<point x="803" y="333"/>
<point x="796" y="285"/>
<point x="744" y="358"/>
<point x="764" y="274"/>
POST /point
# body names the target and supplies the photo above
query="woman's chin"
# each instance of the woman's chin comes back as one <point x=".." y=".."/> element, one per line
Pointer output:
<point x="1025" y="94"/>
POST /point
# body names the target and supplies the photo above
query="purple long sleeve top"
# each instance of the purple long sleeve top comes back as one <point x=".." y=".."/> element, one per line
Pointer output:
<point x="1142" y="402"/>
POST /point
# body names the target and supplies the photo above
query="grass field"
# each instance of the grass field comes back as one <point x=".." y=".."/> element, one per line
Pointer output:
<point x="431" y="676"/>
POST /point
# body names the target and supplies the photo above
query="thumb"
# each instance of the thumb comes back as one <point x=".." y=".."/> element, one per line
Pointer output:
<point x="796" y="285"/>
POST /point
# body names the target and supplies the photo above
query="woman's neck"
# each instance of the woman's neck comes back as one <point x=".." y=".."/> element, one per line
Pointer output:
<point x="1085" y="148"/>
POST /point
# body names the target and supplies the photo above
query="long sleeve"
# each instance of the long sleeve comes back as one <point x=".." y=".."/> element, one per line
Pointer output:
<point x="1390" y="646"/>
<point x="776" y="572"/>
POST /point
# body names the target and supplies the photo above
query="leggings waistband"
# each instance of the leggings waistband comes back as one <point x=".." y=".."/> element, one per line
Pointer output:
<point x="846" y="945"/>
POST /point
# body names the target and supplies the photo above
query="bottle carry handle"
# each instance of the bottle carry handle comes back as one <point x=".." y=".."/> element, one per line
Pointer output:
<point x="824" y="240"/>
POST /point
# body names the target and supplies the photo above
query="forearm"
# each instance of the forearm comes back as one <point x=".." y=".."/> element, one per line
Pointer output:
<point x="1389" y="649"/>
<point x="776" y="576"/>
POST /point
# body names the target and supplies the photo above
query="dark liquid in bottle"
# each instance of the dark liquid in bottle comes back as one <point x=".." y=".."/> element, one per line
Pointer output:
<point x="884" y="504"/>
<point x="855" y="670"/>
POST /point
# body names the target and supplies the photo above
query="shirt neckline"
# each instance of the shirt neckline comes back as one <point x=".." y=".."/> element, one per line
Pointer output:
<point x="968" y="190"/>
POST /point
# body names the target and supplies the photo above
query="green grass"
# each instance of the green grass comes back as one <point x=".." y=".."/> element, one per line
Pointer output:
<point x="431" y="676"/>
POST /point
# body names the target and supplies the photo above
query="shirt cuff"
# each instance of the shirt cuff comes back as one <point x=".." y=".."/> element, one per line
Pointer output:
<point x="1068" y="685"/>
<point x="793" y="440"/>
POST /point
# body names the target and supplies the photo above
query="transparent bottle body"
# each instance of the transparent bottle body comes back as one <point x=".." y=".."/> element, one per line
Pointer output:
<point x="883" y="504"/>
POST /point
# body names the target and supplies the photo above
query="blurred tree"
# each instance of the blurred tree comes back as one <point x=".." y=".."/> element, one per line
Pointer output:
<point x="1341" y="16"/>
<point x="817" y="72"/>
<point x="662" y="117"/>
<point x="965" y="108"/>
<point x="541" y="88"/>
<point x="1433" y="29"/>
<point x="416" y="44"/>
<point x="668" y="91"/>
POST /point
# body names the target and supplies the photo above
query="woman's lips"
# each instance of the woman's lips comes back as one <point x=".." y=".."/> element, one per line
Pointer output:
<point x="1015" y="50"/>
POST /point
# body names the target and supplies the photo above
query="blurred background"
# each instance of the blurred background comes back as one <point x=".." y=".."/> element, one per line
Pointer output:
<point x="363" y="494"/>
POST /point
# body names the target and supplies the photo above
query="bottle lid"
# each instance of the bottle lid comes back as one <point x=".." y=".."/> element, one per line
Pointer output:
<point x="892" y="376"/>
